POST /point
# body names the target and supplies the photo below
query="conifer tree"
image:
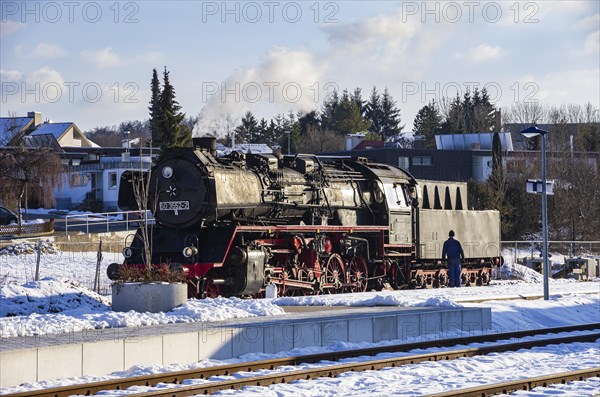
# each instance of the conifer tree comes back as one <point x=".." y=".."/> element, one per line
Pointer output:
<point x="373" y="112"/>
<point x="497" y="175"/>
<point x="390" y="125"/>
<point x="468" y="114"/>
<point x="247" y="132"/>
<point x="173" y="133"/>
<point x="455" y="120"/>
<point x="154" y="108"/>
<point x="329" y="110"/>
<point x="428" y="123"/>
<point x="485" y="113"/>
<point x="309" y="121"/>
<point x="357" y="98"/>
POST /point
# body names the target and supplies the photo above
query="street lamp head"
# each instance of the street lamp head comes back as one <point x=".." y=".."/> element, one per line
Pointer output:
<point x="533" y="131"/>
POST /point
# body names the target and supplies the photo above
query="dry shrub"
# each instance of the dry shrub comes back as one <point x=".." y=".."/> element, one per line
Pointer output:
<point x="163" y="273"/>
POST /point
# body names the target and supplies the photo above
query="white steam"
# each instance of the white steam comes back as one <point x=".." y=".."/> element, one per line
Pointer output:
<point x="285" y="80"/>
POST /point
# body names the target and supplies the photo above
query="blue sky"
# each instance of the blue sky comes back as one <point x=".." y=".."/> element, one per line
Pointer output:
<point x="91" y="62"/>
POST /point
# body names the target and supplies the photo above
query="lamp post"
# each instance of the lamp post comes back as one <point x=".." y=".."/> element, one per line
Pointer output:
<point x="577" y="214"/>
<point x="288" y="133"/>
<point x="127" y="142"/>
<point x="530" y="133"/>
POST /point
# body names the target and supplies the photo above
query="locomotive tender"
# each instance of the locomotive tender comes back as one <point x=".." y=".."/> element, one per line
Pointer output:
<point x="307" y="224"/>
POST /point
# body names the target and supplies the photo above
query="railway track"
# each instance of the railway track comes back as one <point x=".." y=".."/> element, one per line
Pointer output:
<point x="521" y="384"/>
<point x="326" y="371"/>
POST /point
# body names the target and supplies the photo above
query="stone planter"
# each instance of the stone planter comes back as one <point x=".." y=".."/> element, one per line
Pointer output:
<point x="148" y="297"/>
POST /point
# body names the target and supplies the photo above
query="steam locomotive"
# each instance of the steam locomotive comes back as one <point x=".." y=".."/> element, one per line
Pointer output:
<point x="307" y="224"/>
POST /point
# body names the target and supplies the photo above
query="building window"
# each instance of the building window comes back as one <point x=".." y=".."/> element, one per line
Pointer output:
<point x="403" y="163"/>
<point x="112" y="180"/>
<point x="79" y="179"/>
<point x="421" y="160"/>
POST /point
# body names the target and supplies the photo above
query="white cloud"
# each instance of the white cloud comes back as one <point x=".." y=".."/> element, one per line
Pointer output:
<point x="104" y="58"/>
<point x="48" y="50"/>
<point x="379" y="38"/>
<point x="559" y="88"/>
<point x="10" y="76"/>
<point x="44" y="76"/>
<point x="41" y="50"/>
<point x="482" y="52"/>
<point x="9" y="27"/>
<point x="592" y="43"/>
<point x="149" y="57"/>
<point x="589" y="22"/>
<point x="153" y="56"/>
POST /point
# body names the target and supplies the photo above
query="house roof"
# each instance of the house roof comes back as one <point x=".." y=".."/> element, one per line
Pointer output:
<point x="8" y="123"/>
<point x="58" y="130"/>
<point x="369" y="144"/>
<point x="55" y="129"/>
<point x="38" y="141"/>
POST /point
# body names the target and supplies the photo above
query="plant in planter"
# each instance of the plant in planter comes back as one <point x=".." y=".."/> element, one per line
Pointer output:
<point x="159" y="289"/>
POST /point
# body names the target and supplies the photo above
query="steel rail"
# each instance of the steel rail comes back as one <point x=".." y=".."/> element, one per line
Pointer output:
<point x="521" y="384"/>
<point x="336" y="369"/>
<point x="207" y="372"/>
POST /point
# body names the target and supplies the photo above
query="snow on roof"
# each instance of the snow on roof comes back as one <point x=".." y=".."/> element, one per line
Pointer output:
<point x="12" y="123"/>
<point x="55" y="129"/>
<point x="256" y="148"/>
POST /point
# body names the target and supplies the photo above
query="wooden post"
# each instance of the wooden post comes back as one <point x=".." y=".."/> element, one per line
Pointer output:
<point x="98" y="262"/>
<point x="37" y="264"/>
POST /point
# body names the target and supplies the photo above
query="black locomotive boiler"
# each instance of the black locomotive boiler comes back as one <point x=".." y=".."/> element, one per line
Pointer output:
<point x="307" y="224"/>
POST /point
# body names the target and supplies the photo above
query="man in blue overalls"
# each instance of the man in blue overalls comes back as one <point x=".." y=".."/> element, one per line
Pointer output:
<point x="453" y="250"/>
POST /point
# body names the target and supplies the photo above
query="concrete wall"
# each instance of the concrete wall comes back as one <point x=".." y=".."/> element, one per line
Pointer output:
<point x="101" y="352"/>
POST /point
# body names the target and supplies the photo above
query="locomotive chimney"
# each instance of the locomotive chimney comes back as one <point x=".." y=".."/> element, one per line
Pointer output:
<point x="206" y="144"/>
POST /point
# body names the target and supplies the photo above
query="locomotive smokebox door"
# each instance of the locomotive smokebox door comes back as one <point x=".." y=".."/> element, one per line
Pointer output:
<point x="178" y="191"/>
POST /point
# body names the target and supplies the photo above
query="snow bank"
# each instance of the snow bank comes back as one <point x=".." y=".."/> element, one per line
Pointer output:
<point x="52" y="306"/>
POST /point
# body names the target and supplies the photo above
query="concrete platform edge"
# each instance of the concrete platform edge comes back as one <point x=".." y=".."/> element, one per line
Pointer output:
<point x="222" y="341"/>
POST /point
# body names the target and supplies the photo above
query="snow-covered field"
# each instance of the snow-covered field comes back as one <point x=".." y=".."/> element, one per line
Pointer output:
<point x="62" y="302"/>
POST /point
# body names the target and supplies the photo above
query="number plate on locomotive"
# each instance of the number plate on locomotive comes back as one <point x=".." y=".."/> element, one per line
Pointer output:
<point x="174" y="205"/>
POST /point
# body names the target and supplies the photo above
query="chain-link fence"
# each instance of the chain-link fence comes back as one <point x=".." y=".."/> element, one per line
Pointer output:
<point x="521" y="251"/>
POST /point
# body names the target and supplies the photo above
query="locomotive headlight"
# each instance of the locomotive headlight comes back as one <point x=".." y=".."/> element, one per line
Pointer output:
<point x="127" y="253"/>
<point x="188" y="252"/>
<point x="167" y="172"/>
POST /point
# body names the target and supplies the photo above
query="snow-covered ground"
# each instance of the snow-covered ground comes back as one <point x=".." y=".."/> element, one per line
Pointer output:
<point x="64" y="303"/>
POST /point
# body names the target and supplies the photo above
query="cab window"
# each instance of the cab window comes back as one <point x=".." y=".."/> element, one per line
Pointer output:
<point x="395" y="195"/>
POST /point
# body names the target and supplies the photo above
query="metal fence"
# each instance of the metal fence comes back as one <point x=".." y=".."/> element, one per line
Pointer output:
<point x="518" y="251"/>
<point x="106" y="221"/>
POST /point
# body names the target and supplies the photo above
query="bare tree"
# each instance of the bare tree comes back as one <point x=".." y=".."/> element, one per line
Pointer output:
<point x="316" y="140"/>
<point x="27" y="173"/>
<point x="141" y="192"/>
<point x="525" y="113"/>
